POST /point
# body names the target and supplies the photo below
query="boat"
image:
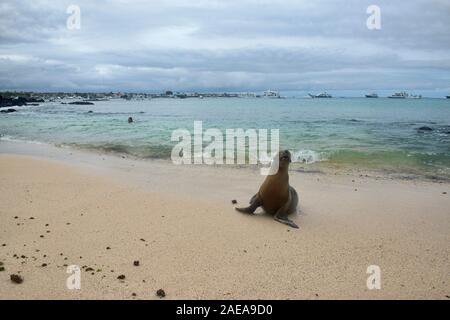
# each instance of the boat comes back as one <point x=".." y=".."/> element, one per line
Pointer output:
<point x="399" y="95"/>
<point x="448" y="97"/>
<point x="320" y="95"/>
<point x="372" y="95"/>
<point x="271" y="94"/>
<point x="416" y="96"/>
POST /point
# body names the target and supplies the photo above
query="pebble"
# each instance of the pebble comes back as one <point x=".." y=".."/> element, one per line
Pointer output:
<point x="161" y="293"/>
<point x="16" y="278"/>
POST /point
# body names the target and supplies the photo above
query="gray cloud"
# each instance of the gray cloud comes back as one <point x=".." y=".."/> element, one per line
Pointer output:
<point x="224" y="45"/>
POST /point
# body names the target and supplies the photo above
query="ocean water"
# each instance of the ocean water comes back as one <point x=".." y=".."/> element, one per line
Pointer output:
<point x="352" y="133"/>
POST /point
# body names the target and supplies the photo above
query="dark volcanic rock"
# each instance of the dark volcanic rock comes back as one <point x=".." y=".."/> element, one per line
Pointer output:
<point x="16" y="278"/>
<point x="161" y="293"/>
<point x="83" y="103"/>
<point x="19" y="101"/>
<point x="10" y="110"/>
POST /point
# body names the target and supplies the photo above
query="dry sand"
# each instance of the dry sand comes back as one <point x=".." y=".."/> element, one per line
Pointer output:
<point x="196" y="246"/>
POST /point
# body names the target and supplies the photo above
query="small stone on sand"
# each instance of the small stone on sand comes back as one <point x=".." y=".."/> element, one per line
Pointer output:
<point x="233" y="201"/>
<point x="16" y="278"/>
<point x="136" y="263"/>
<point x="160" y="293"/>
<point x="121" y="277"/>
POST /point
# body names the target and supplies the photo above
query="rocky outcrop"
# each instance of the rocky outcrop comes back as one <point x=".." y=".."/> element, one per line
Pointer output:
<point x="424" y="128"/>
<point x="18" y="101"/>
<point x="81" y="103"/>
<point x="9" y="110"/>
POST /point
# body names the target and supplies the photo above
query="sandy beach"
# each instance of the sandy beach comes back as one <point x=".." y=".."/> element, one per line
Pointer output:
<point x="61" y="207"/>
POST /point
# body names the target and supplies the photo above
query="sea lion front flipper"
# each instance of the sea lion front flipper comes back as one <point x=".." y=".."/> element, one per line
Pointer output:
<point x="255" y="202"/>
<point x="286" y="221"/>
<point x="283" y="212"/>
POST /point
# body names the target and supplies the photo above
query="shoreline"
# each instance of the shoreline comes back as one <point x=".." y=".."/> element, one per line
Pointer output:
<point x="196" y="246"/>
<point x="65" y="152"/>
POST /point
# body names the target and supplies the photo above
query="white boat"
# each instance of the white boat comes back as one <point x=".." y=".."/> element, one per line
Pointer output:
<point x="320" y="95"/>
<point x="271" y="94"/>
<point x="399" y="95"/>
<point x="372" y="95"/>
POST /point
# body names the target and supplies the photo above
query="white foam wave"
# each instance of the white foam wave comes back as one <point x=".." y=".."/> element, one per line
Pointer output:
<point x="308" y="156"/>
<point x="11" y="139"/>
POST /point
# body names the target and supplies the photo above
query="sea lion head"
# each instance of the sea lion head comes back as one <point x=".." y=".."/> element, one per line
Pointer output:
<point x="284" y="158"/>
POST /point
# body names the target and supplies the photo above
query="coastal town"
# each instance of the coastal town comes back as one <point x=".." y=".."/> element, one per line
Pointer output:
<point x="21" y="98"/>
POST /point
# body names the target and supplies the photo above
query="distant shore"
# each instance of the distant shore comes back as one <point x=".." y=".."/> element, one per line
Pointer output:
<point x="104" y="212"/>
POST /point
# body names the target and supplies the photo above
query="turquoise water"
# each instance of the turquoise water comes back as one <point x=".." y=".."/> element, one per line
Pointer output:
<point x="377" y="134"/>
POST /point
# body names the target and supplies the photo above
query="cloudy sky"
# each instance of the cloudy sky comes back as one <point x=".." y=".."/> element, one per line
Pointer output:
<point x="229" y="45"/>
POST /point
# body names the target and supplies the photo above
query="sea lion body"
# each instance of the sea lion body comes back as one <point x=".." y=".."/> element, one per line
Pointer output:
<point x="275" y="195"/>
<point x="274" y="192"/>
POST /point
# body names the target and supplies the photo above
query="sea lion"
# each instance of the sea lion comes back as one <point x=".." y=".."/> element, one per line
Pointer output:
<point x="275" y="195"/>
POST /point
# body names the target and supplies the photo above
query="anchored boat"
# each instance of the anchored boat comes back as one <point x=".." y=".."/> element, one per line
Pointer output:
<point x="320" y="95"/>
<point x="399" y="95"/>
